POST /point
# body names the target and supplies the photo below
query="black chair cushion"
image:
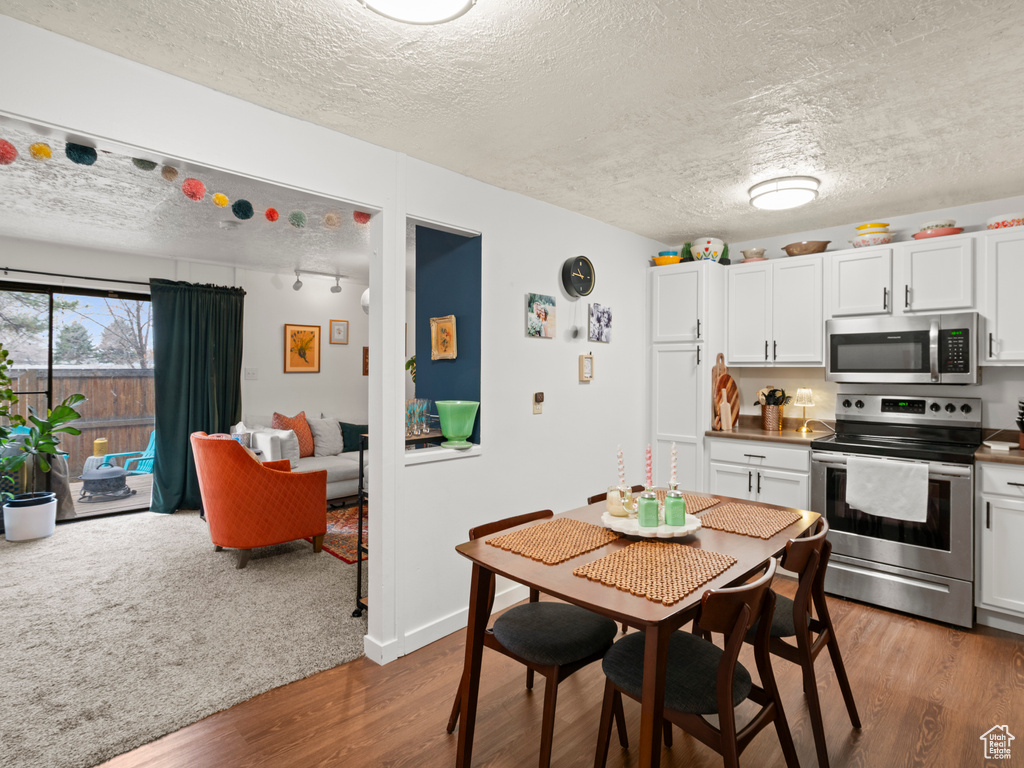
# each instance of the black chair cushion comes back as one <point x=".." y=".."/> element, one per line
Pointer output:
<point x="782" y="619"/>
<point x="553" y="633"/>
<point x="690" y="674"/>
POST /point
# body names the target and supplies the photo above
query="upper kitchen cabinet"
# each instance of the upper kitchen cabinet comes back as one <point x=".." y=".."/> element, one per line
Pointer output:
<point x="677" y="302"/>
<point x="775" y="313"/>
<point x="934" y="274"/>
<point x="861" y="282"/>
<point x="1003" y="275"/>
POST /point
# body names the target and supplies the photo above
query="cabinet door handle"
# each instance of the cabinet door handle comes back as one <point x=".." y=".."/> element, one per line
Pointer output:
<point x="990" y="344"/>
<point x="1019" y="485"/>
<point x="766" y="349"/>
<point x="750" y="481"/>
<point x="988" y="514"/>
<point x="754" y="456"/>
<point x="906" y="296"/>
<point x="698" y="327"/>
<point x="698" y="355"/>
<point x="758" y="483"/>
<point x="885" y="298"/>
<point x="775" y="350"/>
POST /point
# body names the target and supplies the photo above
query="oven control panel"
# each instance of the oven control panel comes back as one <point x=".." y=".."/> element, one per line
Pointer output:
<point x="954" y="411"/>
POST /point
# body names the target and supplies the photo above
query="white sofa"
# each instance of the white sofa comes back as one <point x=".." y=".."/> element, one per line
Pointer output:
<point x="342" y="470"/>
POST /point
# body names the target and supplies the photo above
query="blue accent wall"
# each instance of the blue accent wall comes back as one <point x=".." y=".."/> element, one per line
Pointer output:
<point x="448" y="283"/>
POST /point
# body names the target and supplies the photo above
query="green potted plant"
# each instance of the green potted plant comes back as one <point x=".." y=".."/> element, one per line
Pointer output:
<point x="31" y="515"/>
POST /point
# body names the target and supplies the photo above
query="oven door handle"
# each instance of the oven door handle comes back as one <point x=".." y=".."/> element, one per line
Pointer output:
<point x="933" y="349"/>
<point x="952" y="471"/>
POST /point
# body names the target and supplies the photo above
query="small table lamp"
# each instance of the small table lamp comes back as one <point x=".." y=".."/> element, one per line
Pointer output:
<point x="803" y="398"/>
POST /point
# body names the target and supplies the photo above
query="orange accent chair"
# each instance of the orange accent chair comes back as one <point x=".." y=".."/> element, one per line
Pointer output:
<point x="249" y="504"/>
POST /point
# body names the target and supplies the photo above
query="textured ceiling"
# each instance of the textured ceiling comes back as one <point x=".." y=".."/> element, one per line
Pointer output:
<point x="654" y="116"/>
<point x="114" y="205"/>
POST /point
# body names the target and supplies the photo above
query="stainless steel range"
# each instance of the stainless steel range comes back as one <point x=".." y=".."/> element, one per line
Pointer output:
<point x="920" y="563"/>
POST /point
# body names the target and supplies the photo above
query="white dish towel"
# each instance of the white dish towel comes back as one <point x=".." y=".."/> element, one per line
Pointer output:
<point x="887" y="488"/>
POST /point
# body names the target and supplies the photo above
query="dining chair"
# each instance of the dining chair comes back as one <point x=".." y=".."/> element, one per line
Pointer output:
<point x="808" y="557"/>
<point x="549" y="638"/>
<point x="602" y="496"/>
<point x="703" y="679"/>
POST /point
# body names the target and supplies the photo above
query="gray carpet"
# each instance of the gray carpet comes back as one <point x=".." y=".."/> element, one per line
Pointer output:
<point x="116" y="631"/>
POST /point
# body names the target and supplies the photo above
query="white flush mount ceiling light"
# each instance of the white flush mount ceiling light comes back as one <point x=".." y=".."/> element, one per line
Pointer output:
<point x="420" y="11"/>
<point x="787" y="192"/>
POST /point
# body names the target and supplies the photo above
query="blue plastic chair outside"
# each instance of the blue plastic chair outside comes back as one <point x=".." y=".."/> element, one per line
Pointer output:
<point x="142" y="460"/>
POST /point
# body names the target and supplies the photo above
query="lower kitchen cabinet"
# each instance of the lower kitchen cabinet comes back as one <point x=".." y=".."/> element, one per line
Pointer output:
<point x="759" y="471"/>
<point x="999" y="571"/>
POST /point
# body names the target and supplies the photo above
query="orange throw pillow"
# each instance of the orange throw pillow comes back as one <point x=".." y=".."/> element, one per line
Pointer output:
<point x="300" y="427"/>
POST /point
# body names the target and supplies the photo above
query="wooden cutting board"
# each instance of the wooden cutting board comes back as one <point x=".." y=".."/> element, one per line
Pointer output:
<point x="732" y="394"/>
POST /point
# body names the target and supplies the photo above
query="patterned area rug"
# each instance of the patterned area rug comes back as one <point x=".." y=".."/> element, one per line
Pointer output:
<point x="340" y="540"/>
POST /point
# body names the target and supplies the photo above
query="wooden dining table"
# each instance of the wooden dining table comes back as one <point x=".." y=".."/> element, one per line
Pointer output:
<point x="657" y="620"/>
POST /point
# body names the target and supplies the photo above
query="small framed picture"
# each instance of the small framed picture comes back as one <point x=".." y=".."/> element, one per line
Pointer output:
<point x="443" y="344"/>
<point x="540" y="316"/>
<point x="600" y="323"/>
<point x="339" y="331"/>
<point x="366" y="361"/>
<point x="301" y="348"/>
<point x="586" y="367"/>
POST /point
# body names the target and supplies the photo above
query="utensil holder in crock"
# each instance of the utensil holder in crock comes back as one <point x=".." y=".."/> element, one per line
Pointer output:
<point x="771" y="418"/>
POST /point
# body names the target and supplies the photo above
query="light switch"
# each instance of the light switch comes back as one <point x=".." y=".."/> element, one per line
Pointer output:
<point x="251" y="374"/>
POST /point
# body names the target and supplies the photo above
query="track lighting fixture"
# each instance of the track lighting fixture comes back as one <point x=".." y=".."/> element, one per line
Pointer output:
<point x="336" y="288"/>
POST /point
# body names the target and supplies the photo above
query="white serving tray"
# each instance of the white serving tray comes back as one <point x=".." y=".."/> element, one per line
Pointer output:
<point x="631" y="527"/>
<point x="1000" y="445"/>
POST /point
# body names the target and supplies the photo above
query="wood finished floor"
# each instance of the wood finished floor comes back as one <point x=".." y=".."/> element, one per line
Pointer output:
<point x="926" y="693"/>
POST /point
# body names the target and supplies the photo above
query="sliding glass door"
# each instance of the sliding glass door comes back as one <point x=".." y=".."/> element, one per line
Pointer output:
<point x="99" y="344"/>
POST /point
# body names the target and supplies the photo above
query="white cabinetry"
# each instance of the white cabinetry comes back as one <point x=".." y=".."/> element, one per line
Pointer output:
<point x="759" y="471"/>
<point x="1002" y="339"/>
<point x="999" y="573"/>
<point x="862" y="282"/>
<point x="685" y="326"/>
<point x="775" y="313"/>
<point x="935" y="274"/>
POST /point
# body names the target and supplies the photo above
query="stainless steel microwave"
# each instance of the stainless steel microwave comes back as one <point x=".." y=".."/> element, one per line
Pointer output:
<point x="912" y="349"/>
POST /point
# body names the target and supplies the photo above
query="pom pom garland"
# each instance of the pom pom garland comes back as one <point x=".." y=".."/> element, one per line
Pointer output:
<point x="8" y="154"/>
<point x="41" y="151"/>
<point x="169" y="172"/>
<point x="361" y="217"/>
<point x="220" y="200"/>
<point x="79" y="154"/>
<point x="242" y="209"/>
<point x="193" y="189"/>
<point x="272" y="214"/>
<point x="332" y="221"/>
<point x="297" y="219"/>
<point x="143" y="165"/>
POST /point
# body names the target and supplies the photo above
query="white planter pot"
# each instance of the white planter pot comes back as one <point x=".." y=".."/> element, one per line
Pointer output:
<point x="36" y="521"/>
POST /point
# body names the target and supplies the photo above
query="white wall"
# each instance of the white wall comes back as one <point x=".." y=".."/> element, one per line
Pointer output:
<point x="418" y="584"/>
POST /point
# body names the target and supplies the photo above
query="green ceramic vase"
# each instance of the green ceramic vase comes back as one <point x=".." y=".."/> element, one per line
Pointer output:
<point x="457" y="418"/>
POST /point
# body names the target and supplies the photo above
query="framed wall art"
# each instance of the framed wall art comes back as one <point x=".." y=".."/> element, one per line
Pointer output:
<point x="301" y="348"/>
<point x="540" y="316"/>
<point x="600" y="323"/>
<point x="339" y="332"/>
<point x="443" y="344"/>
<point x="366" y="361"/>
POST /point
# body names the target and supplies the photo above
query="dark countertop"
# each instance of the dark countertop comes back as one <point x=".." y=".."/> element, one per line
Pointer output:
<point x="749" y="428"/>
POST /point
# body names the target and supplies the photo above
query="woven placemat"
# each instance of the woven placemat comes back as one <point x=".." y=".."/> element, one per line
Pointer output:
<point x="695" y="504"/>
<point x="748" y="520"/>
<point x="660" y="571"/>
<point x="555" y="541"/>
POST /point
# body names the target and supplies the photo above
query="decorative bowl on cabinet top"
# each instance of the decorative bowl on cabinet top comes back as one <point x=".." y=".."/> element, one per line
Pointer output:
<point x="874" y="238"/>
<point x="709" y="248"/>
<point x="806" y="247"/>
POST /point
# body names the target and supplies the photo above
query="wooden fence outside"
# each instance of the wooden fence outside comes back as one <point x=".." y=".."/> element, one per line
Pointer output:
<point x="120" y="407"/>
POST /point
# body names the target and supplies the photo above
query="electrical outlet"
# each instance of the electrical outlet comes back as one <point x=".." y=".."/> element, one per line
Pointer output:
<point x="538" y="402"/>
<point x="251" y="374"/>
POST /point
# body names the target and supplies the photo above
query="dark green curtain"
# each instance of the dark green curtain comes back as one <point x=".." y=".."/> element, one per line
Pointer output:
<point x="197" y="356"/>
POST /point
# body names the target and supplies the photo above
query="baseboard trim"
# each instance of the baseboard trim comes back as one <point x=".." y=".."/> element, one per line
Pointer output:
<point x="429" y="633"/>
<point x="380" y="653"/>
<point x="1004" y="621"/>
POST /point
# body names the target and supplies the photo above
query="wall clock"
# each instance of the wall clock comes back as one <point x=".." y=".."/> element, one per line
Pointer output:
<point x="578" y="276"/>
